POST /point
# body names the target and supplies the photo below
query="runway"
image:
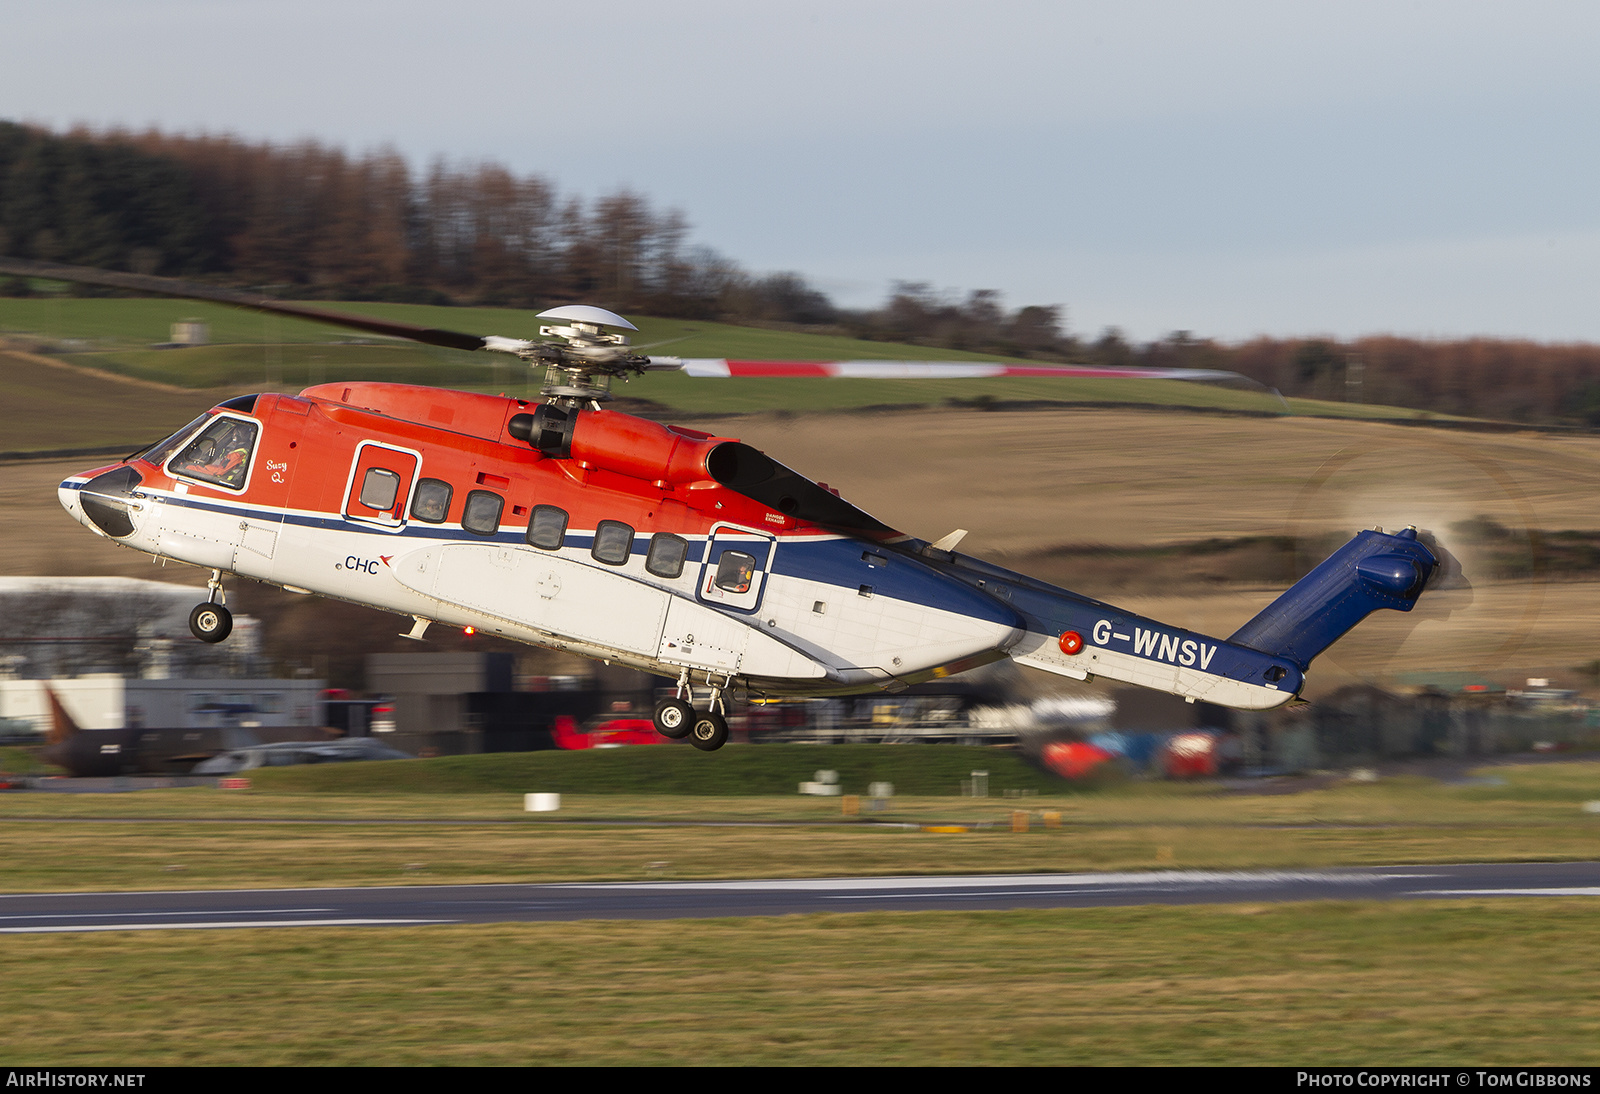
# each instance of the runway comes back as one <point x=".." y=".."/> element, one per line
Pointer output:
<point x="416" y="905"/>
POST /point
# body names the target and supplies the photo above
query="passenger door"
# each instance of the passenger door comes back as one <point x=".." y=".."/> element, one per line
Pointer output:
<point x="737" y="564"/>
<point x="380" y="484"/>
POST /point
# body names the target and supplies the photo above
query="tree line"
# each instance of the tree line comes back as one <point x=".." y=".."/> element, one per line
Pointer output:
<point x="1507" y="379"/>
<point x="308" y="220"/>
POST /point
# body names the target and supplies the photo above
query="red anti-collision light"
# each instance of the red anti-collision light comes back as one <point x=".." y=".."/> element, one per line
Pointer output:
<point x="1071" y="642"/>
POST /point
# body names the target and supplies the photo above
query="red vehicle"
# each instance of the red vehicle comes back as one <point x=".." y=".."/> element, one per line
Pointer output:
<point x="1075" y="759"/>
<point x="612" y="733"/>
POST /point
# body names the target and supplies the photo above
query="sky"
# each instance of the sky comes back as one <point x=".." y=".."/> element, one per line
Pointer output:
<point x="1230" y="169"/>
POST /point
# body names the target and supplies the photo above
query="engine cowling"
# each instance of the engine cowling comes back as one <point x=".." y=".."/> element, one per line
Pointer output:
<point x="671" y="455"/>
<point x="617" y="442"/>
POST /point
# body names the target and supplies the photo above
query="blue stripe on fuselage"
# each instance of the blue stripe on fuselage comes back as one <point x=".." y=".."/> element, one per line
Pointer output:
<point x="841" y="562"/>
<point x="830" y="561"/>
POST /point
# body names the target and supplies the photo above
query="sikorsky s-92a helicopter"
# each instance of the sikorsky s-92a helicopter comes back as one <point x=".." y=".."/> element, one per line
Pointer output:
<point x="566" y="525"/>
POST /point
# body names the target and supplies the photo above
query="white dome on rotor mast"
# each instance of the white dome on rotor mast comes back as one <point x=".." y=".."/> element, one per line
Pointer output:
<point x="588" y="314"/>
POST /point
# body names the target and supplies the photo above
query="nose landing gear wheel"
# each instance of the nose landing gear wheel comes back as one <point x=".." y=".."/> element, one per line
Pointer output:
<point x="210" y="622"/>
<point x="709" y="731"/>
<point x="674" y="719"/>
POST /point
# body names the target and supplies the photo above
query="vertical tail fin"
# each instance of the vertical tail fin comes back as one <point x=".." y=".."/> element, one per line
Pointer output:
<point x="61" y="724"/>
<point x="1372" y="571"/>
<point x="60" y="748"/>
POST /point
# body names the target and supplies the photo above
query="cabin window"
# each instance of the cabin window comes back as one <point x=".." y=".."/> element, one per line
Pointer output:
<point x="667" y="555"/>
<point x="378" y="489"/>
<point x="735" y="571"/>
<point x="432" y="500"/>
<point x="548" y="528"/>
<point x="482" y="513"/>
<point x="221" y="454"/>
<point x="613" y="542"/>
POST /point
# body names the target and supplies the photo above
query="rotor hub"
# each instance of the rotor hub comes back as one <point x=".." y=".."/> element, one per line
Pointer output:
<point x="582" y="356"/>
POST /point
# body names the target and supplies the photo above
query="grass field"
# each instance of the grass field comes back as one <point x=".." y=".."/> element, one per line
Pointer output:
<point x="1444" y="983"/>
<point x="1429" y="982"/>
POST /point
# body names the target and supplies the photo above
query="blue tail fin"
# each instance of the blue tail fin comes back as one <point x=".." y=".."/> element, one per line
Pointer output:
<point x="1372" y="571"/>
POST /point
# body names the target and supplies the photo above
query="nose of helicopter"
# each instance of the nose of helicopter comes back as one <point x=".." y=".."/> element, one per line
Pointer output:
<point x="68" y="494"/>
<point x="102" y="499"/>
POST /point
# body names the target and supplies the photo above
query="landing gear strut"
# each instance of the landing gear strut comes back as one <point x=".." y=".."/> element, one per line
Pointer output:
<point x="676" y="718"/>
<point x="212" y="621"/>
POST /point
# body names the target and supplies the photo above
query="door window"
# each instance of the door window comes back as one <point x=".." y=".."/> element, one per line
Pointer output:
<point x="378" y="488"/>
<point x="380" y="485"/>
<point x="737" y="563"/>
<point x="735" y="571"/>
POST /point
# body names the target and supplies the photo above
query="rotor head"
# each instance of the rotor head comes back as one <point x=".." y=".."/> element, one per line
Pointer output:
<point x="580" y="356"/>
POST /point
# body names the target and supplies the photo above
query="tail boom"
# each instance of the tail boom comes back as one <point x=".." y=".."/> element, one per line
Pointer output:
<point x="1263" y="665"/>
<point x="1119" y="646"/>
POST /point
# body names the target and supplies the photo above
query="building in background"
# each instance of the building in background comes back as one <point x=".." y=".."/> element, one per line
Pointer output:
<point x="55" y="627"/>
<point x="447" y="704"/>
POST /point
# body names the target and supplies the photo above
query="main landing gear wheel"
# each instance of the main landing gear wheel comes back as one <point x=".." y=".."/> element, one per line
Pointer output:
<point x="674" y="719"/>
<point x="709" y="731"/>
<point x="210" y="622"/>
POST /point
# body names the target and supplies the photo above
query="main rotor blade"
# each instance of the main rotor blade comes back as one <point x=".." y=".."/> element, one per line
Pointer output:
<point x="166" y="286"/>
<point x="719" y="367"/>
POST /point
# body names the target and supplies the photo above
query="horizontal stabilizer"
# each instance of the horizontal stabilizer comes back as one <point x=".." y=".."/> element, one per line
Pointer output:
<point x="1374" y="570"/>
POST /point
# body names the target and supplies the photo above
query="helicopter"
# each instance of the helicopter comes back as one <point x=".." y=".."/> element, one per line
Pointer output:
<point x="566" y="525"/>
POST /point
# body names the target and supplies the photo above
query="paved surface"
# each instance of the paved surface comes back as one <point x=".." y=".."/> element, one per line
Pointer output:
<point x="421" y="904"/>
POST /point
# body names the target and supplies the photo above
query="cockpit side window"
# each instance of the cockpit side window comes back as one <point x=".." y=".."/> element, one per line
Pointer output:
<point x="221" y="454"/>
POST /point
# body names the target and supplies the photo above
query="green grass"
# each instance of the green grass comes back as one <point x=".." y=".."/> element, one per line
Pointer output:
<point x="665" y="769"/>
<point x="258" y="351"/>
<point x="1448" y="984"/>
